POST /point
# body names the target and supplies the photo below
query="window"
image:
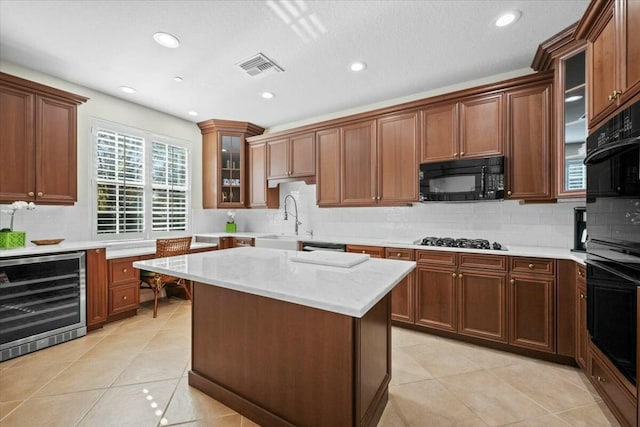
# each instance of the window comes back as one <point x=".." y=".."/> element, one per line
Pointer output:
<point x="141" y="183"/>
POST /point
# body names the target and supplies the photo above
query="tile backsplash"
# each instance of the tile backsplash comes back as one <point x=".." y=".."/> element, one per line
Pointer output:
<point x="506" y="222"/>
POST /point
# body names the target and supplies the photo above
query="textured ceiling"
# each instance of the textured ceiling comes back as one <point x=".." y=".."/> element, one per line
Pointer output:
<point x="409" y="47"/>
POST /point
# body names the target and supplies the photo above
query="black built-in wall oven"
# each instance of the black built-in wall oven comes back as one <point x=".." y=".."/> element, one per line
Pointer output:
<point x="613" y="249"/>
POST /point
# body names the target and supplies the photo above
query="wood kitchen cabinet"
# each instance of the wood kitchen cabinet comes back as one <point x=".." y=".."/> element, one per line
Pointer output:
<point x="38" y="137"/>
<point x="582" y="334"/>
<point x="358" y="159"/>
<point x="482" y="296"/>
<point x="368" y="163"/>
<point x="97" y="288"/>
<point x="328" y="167"/>
<point x="291" y="157"/>
<point x="398" y="158"/>
<point x="613" y="56"/>
<point x="372" y="251"/>
<point x="435" y="292"/>
<point x="469" y="128"/>
<point x="532" y="293"/>
<point x="260" y="195"/>
<point x="402" y="298"/>
<point x="124" y="287"/>
<point x="528" y="158"/>
<point x="224" y="169"/>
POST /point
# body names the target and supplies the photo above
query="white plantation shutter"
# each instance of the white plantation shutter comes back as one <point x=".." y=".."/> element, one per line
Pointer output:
<point x="141" y="183"/>
<point x="120" y="182"/>
<point x="169" y="187"/>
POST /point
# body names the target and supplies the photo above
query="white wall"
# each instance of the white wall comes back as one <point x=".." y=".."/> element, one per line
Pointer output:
<point x="506" y="222"/>
<point x="74" y="222"/>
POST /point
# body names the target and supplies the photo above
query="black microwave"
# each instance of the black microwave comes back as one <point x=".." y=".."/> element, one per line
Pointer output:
<point x="462" y="180"/>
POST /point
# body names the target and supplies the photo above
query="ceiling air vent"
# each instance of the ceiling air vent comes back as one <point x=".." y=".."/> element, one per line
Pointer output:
<point x="258" y="64"/>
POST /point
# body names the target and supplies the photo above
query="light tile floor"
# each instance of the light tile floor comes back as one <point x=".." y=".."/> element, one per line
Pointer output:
<point x="133" y="372"/>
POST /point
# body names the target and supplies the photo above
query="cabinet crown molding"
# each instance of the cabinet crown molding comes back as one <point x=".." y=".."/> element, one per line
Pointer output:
<point x="215" y="125"/>
<point x="12" y="80"/>
<point x="590" y="17"/>
<point x="550" y="48"/>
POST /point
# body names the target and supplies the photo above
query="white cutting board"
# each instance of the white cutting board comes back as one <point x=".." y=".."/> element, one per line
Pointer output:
<point x="334" y="259"/>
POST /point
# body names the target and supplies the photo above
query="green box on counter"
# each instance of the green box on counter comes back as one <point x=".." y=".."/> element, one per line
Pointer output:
<point x="231" y="227"/>
<point x="12" y="239"/>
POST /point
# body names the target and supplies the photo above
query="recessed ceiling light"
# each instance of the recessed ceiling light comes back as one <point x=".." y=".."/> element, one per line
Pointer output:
<point x="177" y="79"/>
<point x="357" y="66"/>
<point x="127" y="89"/>
<point x="573" y="98"/>
<point x="193" y="113"/>
<point x="166" y="40"/>
<point x="267" y="95"/>
<point x="508" y="18"/>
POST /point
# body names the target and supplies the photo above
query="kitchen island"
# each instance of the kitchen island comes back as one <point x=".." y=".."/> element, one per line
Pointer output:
<point x="289" y="343"/>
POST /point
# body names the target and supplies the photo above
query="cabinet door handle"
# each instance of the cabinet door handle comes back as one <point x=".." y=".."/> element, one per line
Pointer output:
<point x="513" y="281"/>
<point x="583" y="296"/>
<point x="460" y="276"/>
<point x="455" y="154"/>
<point x="461" y="153"/>
<point x="97" y="251"/>
<point x="601" y="379"/>
<point x="40" y="194"/>
<point x="30" y="194"/>
<point x="531" y="266"/>
<point x="610" y="97"/>
<point x="509" y="193"/>
<point x="453" y="275"/>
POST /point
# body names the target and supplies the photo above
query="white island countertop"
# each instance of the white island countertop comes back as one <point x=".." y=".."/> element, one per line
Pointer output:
<point x="271" y="273"/>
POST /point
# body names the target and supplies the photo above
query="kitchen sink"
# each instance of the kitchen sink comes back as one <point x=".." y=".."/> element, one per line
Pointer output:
<point x="277" y="242"/>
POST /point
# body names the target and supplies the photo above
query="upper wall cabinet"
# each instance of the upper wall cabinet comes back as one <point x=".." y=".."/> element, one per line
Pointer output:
<point x="369" y="163"/>
<point x="466" y="129"/>
<point x="224" y="170"/>
<point x="260" y="196"/>
<point x="613" y="56"/>
<point x="529" y="164"/>
<point x="291" y="157"/>
<point x="38" y="138"/>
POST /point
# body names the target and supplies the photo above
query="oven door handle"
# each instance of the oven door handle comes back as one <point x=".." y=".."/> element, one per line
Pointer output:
<point x="613" y="271"/>
<point x="603" y="153"/>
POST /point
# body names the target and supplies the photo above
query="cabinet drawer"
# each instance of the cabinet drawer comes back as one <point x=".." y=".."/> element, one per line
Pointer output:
<point x="581" y="273"/>
<point x="373" y="251"/>
<point x="395" y="253"/>
<point x="123" y="298"/>
<point x="533" y="265"/>
<point x="437" y="258"/>
<point x="485" y="262"/>
<point x="121" y="270"/>
<point x="612" y="389"/>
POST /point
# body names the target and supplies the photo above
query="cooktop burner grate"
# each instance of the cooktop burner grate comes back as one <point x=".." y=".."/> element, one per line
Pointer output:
<point x="449" y="242"/>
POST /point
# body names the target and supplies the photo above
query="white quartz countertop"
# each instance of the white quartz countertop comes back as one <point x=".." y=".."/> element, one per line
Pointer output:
<point x="271" y="273"/>
<point x="115" y="252"/>
<point x="31" y="249"/>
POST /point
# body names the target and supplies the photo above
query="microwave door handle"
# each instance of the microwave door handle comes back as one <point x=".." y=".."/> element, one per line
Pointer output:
<point x="596" y="156"/>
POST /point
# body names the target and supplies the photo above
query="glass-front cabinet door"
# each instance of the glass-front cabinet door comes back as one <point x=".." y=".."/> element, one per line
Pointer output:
<point x="572" y="125"/>
<point x="231" y="168"/>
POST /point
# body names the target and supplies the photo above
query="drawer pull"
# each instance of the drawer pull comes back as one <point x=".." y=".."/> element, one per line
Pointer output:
<point x="531" y="266"/>
<point x="364" y="252"/>
<point x="580" y="273"/>
<point x="97" y="251"/>
<point x="601" y="379"/>
<point x="124" y="298"/>
<point x="124" y="270"/>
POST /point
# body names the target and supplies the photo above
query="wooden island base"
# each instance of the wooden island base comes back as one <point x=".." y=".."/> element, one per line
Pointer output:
<point x="284" y="364"/>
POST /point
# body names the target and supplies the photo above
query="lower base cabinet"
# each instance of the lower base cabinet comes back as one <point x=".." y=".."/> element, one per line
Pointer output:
<point x="532" y="312"/>
<point x="618" y="393"/>
<point x="402" y="299"/>
<point x="582" y="334"/>
<point x="482" y="305"/>
<point x="436" y="297"/>
<point x="97" y="288"/>
<point x="124" y="286"/>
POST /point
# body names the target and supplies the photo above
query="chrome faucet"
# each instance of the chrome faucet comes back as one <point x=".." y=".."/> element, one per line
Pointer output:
<point x="295" y="205"/>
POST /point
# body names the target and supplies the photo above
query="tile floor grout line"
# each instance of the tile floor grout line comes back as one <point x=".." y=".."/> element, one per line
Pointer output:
<point x="91" y="407"/>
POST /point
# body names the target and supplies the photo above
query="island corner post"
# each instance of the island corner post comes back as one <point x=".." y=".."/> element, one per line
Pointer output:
<point x="284" y="364"/>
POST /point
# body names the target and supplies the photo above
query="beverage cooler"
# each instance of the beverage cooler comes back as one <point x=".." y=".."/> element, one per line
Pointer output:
<point x="42" y="302"/>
